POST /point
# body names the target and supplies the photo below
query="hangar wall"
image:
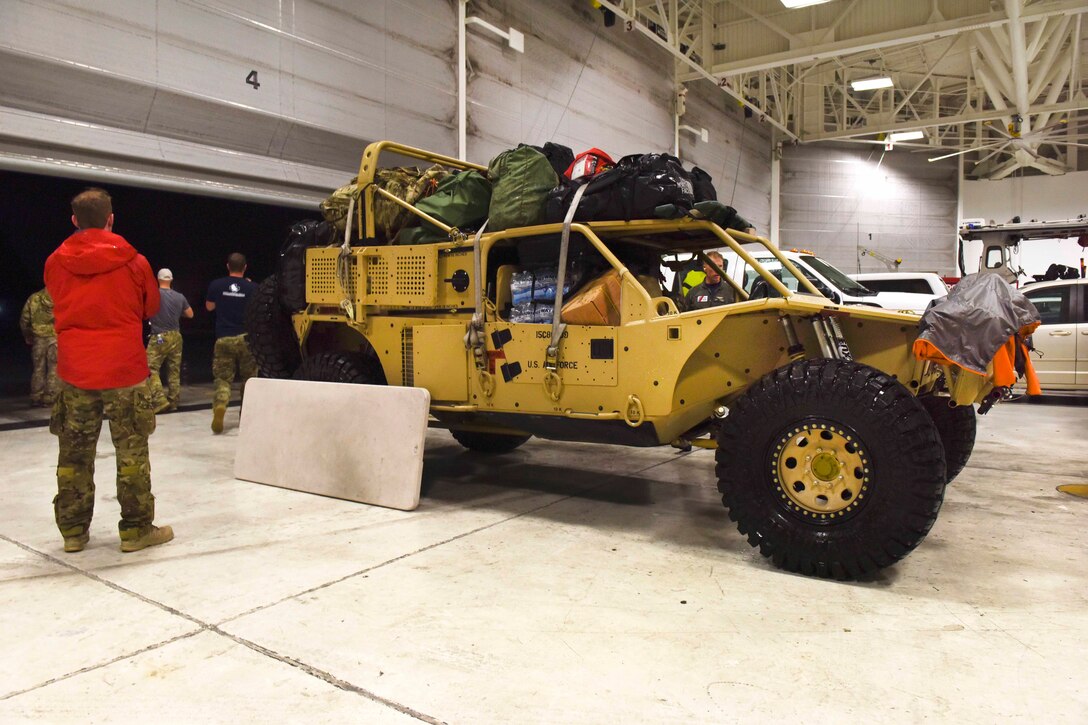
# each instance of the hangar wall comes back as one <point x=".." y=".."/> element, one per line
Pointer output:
<point x="156" y="94"/>
<point x="837" y="200"/>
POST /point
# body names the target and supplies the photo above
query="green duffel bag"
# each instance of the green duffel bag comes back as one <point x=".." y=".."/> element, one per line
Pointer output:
<point x="461" y="200"/>
<point x="522" y="178"/>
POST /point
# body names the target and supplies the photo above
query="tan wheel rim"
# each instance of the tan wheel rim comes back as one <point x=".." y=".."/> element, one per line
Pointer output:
<point x="821" y="471"/>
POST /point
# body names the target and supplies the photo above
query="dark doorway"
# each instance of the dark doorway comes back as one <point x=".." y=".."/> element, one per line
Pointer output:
<point x="192" y="235"/>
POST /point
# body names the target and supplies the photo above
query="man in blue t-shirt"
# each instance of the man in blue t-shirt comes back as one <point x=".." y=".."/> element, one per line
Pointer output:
<point x="227" y="298"/>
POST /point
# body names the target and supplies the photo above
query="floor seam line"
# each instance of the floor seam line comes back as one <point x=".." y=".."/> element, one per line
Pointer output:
<point x="100" y="665"/>
<point x="105" y="582"/>
<point x="420" y="550"/>
<point x="203" y="627"/>
<point x="327" y="677"/>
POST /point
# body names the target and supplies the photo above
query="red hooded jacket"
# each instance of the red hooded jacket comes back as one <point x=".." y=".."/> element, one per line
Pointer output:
<point x="102" y="292"/>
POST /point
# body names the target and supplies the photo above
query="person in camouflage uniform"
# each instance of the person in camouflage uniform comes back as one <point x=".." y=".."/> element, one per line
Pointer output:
<point x="36" y="322"/>
<point x="165" y="344"/>
<point x="102" y="291"/>
<point x="227" y="298"/>
<point x="77" y="422"/>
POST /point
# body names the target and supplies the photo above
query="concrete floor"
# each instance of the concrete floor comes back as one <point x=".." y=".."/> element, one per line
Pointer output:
<point x="562" y="583"/>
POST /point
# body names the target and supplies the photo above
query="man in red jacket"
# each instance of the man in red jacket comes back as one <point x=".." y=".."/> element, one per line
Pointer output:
<point x="102" y="292"/>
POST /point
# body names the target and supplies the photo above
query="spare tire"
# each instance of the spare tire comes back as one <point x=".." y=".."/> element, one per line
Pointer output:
<point x="270" y="333"/>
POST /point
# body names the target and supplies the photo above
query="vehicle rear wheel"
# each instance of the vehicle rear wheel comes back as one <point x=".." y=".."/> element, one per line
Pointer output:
<point x="488" y="442"/>
<point x="338" y="367"/>
<point x="270" y="334"/>
<point x="831" y="468"/>
<point x="956" y="427"/>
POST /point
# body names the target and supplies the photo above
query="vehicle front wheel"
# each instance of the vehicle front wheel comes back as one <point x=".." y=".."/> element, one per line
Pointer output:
<point x="488" y="442"/>
<point x="831" y="468"/>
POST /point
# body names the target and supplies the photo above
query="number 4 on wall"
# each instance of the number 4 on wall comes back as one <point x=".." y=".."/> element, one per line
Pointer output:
<point x="251" y="79"/>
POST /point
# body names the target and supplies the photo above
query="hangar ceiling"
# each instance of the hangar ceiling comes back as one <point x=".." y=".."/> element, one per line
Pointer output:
<point x="1000" y="82"/>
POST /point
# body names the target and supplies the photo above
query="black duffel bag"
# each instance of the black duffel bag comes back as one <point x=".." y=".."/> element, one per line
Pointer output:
<point x="637" y="185"/>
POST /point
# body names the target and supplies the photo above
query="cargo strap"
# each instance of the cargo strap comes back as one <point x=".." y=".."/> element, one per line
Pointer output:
<point x="475" y="339"/>
<point x="343" y="266"/>
<point x="551" y="355"/>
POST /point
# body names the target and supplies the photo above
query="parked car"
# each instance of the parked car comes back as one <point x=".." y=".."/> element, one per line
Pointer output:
<point x="928" y="286"/>
<point x="832" y="282"/>
<point x="1061" y="342"/>
<point x="922" y="283"/>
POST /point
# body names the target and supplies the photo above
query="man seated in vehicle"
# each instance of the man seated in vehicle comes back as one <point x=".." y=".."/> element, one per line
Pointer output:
<point x="713" y="291"/>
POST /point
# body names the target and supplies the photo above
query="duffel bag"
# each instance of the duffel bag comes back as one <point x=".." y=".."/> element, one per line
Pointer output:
<point x="335" y="207"/>
<point x="461" y="200"/>
<point x="406" y="183"/>
<point x="558" y="155"/>
<point x="637" y="185"/>
<point x="521" y="179"/>
<point x="702" y="185"/>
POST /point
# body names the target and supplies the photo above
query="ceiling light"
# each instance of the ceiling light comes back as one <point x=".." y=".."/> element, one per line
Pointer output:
<point x="869" y="84"/>
<point x="791" y="4"/>
<point x="906" y="136"/>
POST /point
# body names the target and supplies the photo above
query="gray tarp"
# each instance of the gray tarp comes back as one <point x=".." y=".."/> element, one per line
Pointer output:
<point x="977" y="317"/>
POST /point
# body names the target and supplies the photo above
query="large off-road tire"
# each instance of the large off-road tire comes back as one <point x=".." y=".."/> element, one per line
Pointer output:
<point x="956" y="427"/>
<point x="270" y="334"/>
<point x="488" y="442"/>
<point x="831" y="468"/>
<point x="337" y="367"/>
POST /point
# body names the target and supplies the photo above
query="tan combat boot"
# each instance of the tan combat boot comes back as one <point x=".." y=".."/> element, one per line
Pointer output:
<point x="133" y="540"/>
<point x="217" y="418"/>
<point x="77" y="542"/>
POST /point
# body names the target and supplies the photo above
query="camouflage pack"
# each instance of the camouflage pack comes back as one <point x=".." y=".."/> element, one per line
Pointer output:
<point x="404" y="182"/>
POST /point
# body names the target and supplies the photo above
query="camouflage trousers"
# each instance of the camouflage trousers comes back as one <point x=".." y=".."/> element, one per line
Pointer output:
<point x="44" y="383"/>
<point x="164" y="348"/>
<point x="231" y="353"/>
<point x="77" y="421"/>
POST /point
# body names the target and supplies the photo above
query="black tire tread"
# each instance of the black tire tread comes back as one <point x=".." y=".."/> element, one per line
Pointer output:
<point x="339" y="367"/>
<point x="880" y="535"/>
<point x="956" y="427"/>
<point x="270" y="334"/>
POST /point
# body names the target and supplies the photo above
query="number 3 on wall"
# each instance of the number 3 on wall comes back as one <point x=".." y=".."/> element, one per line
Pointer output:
<point x="251" y="79"/>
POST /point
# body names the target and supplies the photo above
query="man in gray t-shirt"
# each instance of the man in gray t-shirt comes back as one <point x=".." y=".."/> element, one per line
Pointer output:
<point x="164" y="345"/>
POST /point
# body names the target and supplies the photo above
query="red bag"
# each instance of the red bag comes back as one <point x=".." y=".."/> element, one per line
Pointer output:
<point x="589" y="163"/>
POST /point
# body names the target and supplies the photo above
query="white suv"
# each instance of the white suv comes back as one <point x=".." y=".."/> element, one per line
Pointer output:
<point x="1061" y="342"/>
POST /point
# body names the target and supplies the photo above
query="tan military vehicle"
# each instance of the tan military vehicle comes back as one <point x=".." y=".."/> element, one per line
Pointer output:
<point x="834" y="443"/>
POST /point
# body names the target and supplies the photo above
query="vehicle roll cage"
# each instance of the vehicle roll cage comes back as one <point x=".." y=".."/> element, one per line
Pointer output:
<point x="689" y="234"/>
